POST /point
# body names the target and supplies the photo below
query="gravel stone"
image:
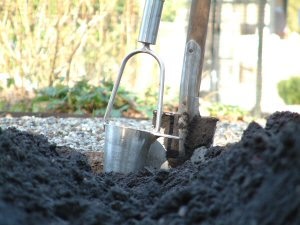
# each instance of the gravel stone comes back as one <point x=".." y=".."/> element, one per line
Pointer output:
<point x="87" y="134"/>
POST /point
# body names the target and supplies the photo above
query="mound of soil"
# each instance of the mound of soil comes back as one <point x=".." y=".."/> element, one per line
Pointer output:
<point x="255" y="181"/>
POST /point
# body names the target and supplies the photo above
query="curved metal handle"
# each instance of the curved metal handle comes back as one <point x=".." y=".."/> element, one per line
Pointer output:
<point x="145" y="49"/>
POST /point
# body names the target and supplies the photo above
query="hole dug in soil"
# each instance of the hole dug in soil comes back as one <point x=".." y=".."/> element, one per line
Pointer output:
<point x="255" y="181"/>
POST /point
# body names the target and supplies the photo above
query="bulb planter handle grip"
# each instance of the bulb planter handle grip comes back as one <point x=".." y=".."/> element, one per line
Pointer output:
<point x="150" y="21"/>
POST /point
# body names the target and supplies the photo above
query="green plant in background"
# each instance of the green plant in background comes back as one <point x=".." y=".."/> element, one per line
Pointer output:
<point x="82" y="98"/>
<point x="21" y="106"/>
<point x="293" y="19"/>
<point x="171" y="8"/>
<point x="147" y="103"/>
<point x="2" y="105"/>
<point x="6" y="103"/>
<point x="289" y="90"/>
<point x="227" y="111"/>
<point x="169" y="13"/>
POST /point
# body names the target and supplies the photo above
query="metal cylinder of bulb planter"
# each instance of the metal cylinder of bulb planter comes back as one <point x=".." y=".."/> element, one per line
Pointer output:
<point x="126" y="149"/>
<point x="150" y="21"/>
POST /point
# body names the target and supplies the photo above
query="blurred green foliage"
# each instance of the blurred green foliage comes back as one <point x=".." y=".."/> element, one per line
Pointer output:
<point x="147" y="103"/>
<point x="289" y="90"/>
<point x="170" y="9"/>
<point x="220" y="110"/>
<point x="82" y="98"/>
<point x="294" y="15"/>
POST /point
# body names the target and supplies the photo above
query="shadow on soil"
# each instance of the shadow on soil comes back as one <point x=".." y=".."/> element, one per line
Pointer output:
<point x="255" y="181"/>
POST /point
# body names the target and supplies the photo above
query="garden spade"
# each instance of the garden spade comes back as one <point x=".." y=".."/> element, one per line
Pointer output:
<point x="194" y="130"/>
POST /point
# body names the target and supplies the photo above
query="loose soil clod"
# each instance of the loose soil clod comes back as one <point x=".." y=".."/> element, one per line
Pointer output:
<point x="255" y="181"/>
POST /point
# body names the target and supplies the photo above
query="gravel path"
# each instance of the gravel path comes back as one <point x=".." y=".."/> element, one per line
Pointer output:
<point x="86" y="134"/>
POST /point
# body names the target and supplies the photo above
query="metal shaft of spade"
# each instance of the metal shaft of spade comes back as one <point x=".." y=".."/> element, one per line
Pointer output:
<point x="147" y="36"/>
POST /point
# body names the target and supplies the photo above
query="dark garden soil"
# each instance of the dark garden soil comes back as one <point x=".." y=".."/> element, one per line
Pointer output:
<point x="255" y="182"/>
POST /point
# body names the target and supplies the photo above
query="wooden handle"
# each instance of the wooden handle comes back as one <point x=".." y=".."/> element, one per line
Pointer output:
<point x="197" y="29"/>
<point x="194" y="57"/>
